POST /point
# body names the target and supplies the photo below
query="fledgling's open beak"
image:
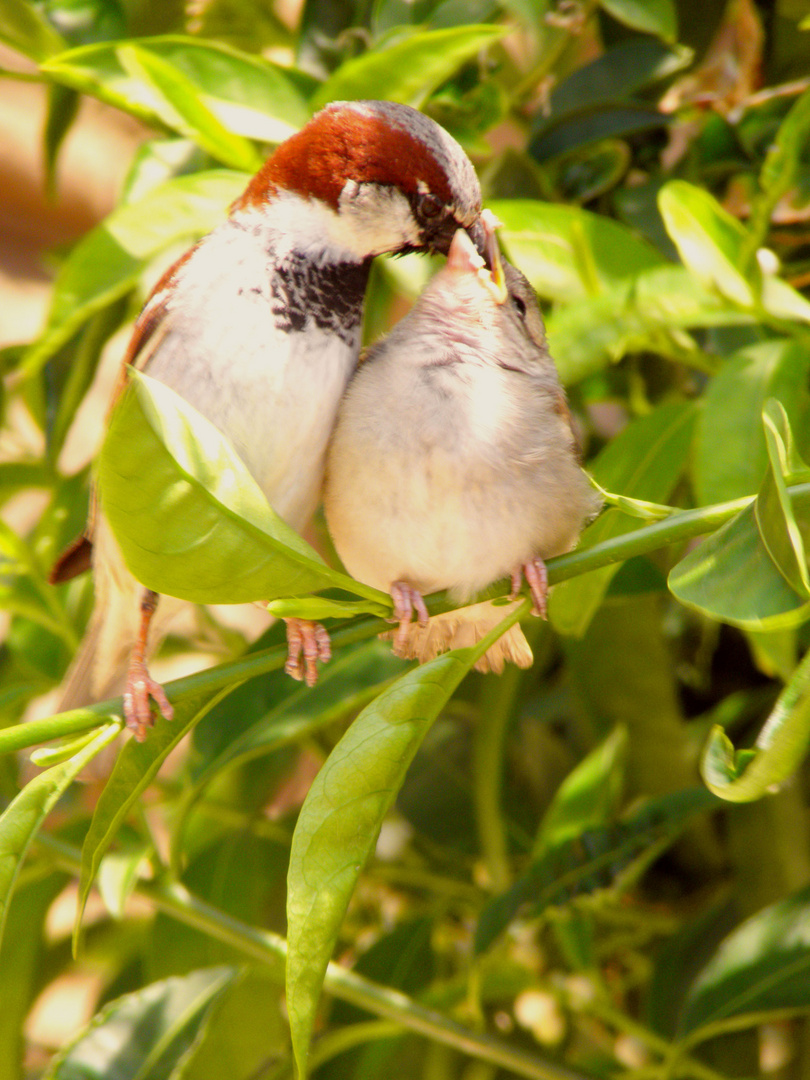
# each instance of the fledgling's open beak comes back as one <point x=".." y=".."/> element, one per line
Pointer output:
<point x="492" y="254"/>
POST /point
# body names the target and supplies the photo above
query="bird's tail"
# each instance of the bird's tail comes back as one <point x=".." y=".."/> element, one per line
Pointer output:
<point x="462" y="628"/>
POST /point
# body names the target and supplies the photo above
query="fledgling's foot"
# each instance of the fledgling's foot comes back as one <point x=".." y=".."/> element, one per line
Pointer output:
<point x="307" y="644"/>
<point x="537" y="579"/>
<point x="139" y="693"/>
<point x="407" y="600"/>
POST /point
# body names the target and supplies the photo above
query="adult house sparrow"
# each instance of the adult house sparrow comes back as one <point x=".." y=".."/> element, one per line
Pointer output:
<point x="258" y="327"/>
<point x="453" y="462"/>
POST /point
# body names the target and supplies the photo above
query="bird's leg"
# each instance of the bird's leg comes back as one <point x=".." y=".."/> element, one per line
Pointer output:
<point x="406" y="599"/>
<point x="140" y="686"/>
<point x="537" y="579"/>
<point x="307" y="644"/>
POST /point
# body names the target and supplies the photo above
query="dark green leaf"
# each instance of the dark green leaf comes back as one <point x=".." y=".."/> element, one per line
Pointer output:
<point x="763" y="966"/>
<point x="650" y="16"/>
<point x="191" y="520"/>
<point x="609" y="857"/>
<point x="144" y="1035"/>
<point x="731" y="457"/>
<point x="731" y="577"/>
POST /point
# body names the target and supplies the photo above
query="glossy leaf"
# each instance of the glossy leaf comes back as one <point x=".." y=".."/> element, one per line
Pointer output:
<point x="745" y="775"/>
<point x="644" y="461"/>
<point x="763" y="966"/>
<point x="709" y="240"/>
<point x="781" y="166"/>
<point x="409" y="70"/>
<point x="23" y="817"/>
<point x="731" y="456"/>
<point x="610" y="856"/>
<point x="24" y="27"/>
<point x="773" y="510"/>
<point x="247" y="95"/>
<point x="567" y="252"/>
<point x="181" y="108"/>
<point x="731" y="577"/>
<point x="190" y="519"/>
<point x="107" y="263"/>
<point x="588" y="796"/>
<point x="146" y="1034"/>
<point x="342" y="815"/>
<point x="649" y="16"/>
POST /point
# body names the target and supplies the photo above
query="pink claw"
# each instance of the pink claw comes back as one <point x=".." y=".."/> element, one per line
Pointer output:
<point x="407" y="600"/>
<point x="139" y="692"/>
<point x="307" y="644"/>
<point x="537" y="579"/>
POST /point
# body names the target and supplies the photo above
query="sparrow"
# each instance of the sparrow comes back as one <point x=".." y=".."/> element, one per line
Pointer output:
<point x="258" y="327"/>
<point x="453" y="462"/>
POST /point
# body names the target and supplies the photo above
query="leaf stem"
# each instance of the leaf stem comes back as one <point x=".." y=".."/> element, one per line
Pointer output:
<point x="685" y="525"/>
<point x="270" y="949"/>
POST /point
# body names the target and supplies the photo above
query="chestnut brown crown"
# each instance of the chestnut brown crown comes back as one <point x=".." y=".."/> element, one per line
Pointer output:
<point x="352" y="145"/>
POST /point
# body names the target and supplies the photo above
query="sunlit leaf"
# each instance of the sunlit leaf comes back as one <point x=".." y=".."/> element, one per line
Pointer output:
<point x="650" y="16"/>
<point x="247" y="95"/>
<point x="709" y="240"/>
<point x="409" y="70"/>
<point x="24" y="27"/>
<point x="107" y="262"/>
<point x="189" y="517"/>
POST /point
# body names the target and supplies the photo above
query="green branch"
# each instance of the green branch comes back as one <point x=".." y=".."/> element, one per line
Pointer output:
<point x="270" y="950"/>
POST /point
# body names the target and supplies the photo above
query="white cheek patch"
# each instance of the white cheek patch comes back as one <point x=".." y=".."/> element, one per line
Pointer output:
<point x="374" y="218"/>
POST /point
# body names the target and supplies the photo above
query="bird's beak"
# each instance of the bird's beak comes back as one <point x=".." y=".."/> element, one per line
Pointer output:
<point x="492" y="255"/>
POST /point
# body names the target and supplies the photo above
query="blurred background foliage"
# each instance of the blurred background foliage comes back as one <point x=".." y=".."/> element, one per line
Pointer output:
<point x="556" y="891"/>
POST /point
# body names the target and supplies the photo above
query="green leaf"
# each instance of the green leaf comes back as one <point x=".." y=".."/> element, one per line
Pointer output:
<point x="773" y="510"/>
<point x="608" y="857"/>
<point x="190" y="519"/>
<point x="107" y="262"/>
<point x="317" y="608"/>
<point x="342" y="815"/>
<point x="247" y="95"/>
<point x="644" y="461"/>
<point x="588" y="796"/>
<point x="568" y="253"/>
<point x="658" y="17"/>
<point x="144" y="1035"/>
<point x="731" y="455"/>
<point x="709" y="240"/>
<point x="23" y="27"/>
<point x="745" y="775"/>
<point x="761" y="967"/>
<point x="182" y="109"/>
<point x="409" y="70"/>
<point x="781" y="166"/>
<point x="22" y="819"/>
<point x="135" y="768"/>
<point x="732" y="578"/>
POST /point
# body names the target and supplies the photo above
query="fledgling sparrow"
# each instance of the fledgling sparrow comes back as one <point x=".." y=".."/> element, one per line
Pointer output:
<point x="453" y="462"/>
<point x="258" y="327"/>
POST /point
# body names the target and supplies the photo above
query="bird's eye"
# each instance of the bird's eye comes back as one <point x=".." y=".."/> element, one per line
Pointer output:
<point x="430" y="206"/>
<point x="519" y="305"/>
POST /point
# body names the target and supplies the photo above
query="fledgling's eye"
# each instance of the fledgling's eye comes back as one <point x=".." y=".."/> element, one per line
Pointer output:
<point x="430" y="206"/>
<point x="519" y="305"/>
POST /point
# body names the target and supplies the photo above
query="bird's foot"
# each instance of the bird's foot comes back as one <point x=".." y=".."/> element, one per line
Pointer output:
<point x="307" y="645"/>
<point x="537" y="579"/>
<point x="407" y="600"/>
<point x="139" y="693"/>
